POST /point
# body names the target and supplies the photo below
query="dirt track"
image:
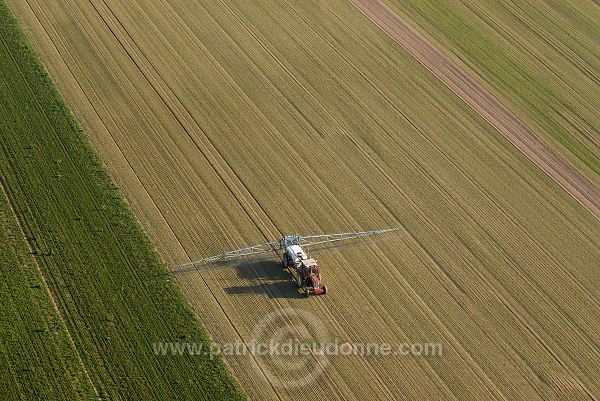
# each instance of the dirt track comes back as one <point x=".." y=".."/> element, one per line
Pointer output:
<point x="483" y="102"/>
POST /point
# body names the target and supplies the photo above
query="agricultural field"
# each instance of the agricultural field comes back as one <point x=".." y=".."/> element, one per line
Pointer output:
<point x="38" y="359"/>
<point x="83" y="293"/>
<point x="541" y="59"/>
<point x="226" y="124"/>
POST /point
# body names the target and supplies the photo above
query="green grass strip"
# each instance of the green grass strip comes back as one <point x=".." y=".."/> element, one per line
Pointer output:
<point x="115" y="295"/>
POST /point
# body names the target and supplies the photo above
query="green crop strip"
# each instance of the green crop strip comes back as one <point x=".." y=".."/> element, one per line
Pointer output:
<point x="114" y="293"/>
<point x="36" y="353"/>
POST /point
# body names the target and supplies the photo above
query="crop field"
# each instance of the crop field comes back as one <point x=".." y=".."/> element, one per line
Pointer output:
<point x="230" y="123"/>
<point x="83" y="294"/>
<point x="543" y="59"/>
<point x="37" y="357"/>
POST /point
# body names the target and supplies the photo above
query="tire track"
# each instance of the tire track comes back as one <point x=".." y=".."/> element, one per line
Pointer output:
<point x="237" y="302"/>
<point x="217" y="301"/>
<point x="472" y="180"/>
<point x="69" y="68"/>
<point x="344" y="213"/>
<point x="174" y="105"/>
<point x="418" y="301"/>
<point x="511" y="219"/>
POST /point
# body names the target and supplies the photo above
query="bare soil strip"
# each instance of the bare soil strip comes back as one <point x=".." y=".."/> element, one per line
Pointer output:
<point x="483" y="102"/>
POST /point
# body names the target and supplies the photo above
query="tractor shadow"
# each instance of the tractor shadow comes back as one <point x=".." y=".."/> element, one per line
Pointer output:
<point x="266" y="277"/>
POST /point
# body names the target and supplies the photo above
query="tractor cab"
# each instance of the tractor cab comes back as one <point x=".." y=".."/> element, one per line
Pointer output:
<point x="310" y="278"/>
<point x="311" y="268"/>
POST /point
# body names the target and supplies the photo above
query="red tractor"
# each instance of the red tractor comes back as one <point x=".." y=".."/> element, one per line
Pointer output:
<point x="309" y="278"/>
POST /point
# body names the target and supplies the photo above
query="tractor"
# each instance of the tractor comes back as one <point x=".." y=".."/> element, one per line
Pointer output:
<point x="305" y="270"/>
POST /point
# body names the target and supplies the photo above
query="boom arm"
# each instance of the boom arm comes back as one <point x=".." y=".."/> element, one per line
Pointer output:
<point x="238" y="253"/>
<point x="280" y="244"/>
<point x="323" y="238"/>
